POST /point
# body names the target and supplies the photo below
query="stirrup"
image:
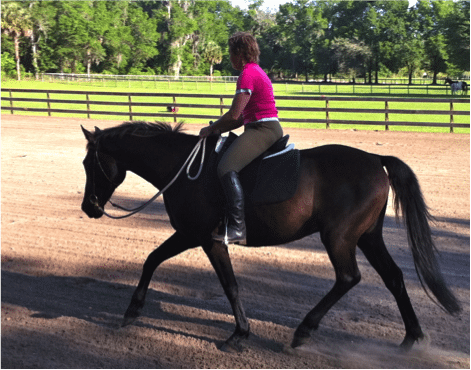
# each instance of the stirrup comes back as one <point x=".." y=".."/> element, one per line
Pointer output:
<point x="220" y="234"/>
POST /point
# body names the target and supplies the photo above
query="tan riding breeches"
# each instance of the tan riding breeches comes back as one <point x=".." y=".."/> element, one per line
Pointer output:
<point x="256" y="139"/>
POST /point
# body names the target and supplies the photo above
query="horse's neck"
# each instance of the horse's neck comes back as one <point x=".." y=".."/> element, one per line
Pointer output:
<point x="156" y="159"/>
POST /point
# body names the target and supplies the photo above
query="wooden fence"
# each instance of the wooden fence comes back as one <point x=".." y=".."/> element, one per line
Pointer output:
<point x="131" y="113"/>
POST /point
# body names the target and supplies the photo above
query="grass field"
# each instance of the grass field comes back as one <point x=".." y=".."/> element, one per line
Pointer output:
<point x="330" y="90"/>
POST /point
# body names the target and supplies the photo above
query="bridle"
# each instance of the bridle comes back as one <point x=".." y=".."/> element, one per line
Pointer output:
<point x="94" y="199"/>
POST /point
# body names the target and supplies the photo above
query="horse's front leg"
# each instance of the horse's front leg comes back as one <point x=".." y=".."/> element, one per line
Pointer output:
<point x="219" y="257"/>
<point x="174" y="245"/>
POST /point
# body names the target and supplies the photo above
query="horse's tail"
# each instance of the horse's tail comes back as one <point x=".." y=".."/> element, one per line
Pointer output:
<point x="465" y="87"/>
<point x="408" y="197"/>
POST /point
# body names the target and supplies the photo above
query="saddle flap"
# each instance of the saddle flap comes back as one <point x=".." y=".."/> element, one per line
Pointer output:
<point x="270" y="178"/>
<point x="277" y="178"/>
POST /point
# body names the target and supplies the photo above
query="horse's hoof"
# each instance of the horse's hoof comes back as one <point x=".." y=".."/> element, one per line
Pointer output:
<point x="288" y="350"/>
<point x="409" y="342"/>
<point x="301" y="336"/>
<point x="231" y="347"/>
<point x="299" y="341"/>
<point x="234" y="343"/>
<point x="128" y="321"/>
<point x="130" y="316"/>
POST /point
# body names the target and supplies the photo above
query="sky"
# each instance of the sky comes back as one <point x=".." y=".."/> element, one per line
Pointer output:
<point x="274" y="4"/>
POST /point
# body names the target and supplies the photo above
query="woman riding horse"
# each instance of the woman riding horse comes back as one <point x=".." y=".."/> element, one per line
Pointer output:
<point x="254" y="107"/>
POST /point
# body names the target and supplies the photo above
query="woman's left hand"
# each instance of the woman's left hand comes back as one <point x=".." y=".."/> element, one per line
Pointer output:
<point x="206" y="131"/>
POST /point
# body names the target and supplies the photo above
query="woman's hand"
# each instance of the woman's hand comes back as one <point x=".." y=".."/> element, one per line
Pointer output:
<point x="207" y="131"/>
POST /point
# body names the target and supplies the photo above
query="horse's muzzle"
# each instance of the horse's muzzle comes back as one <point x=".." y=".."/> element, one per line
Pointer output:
<point x="92" y="208"/>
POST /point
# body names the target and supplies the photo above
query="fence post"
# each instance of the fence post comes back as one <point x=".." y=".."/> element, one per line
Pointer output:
<point x="11" y="101"/>
<point x="327" y="125"/>
<point x="88" y="106"/>
<point x="452" y="120"/>
<point x="386" y="115"/>
<point x="222" y="103"/>
<point x="130" y="107"/>
<point x="48" y="105"/>
<point x="175" y="109"/>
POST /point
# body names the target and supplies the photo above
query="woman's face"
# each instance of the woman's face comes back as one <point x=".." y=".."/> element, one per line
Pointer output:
<point x="236" y="61"/>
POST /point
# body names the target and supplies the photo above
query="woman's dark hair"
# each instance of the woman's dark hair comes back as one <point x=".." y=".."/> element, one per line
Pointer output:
<point x="244" y="44"/>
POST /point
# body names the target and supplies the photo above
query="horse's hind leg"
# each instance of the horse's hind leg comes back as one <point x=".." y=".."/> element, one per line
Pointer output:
<point x="174" y="245"/>
<point x="375" y="251"/>
<point x="342" y="255"/>
<point x="219" y="257"/>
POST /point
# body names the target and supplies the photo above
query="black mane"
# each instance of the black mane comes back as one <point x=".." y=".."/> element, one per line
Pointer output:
<point x="138" y="128"/>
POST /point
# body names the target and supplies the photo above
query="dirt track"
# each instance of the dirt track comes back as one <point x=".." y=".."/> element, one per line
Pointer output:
<point x="67" y="280"/>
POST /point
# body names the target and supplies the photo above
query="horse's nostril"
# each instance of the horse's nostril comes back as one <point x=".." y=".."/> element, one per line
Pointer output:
<point x="94" y="200"/>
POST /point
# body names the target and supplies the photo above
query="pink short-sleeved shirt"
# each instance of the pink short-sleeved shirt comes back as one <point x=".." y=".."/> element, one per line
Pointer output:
<point x="261" y="105"/>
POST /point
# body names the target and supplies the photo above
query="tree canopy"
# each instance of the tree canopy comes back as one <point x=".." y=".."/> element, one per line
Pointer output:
<point x="354" y="39"/>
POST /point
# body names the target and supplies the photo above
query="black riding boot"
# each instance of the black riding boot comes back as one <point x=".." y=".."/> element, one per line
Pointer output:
<point x="234" y="196"/>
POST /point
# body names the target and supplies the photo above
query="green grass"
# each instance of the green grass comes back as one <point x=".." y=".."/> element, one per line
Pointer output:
<point x="228" y="89"/>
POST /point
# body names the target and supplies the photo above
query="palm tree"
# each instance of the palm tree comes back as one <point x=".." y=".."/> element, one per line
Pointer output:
<point x="213" y="54"/>
<point x="16" y="21"/>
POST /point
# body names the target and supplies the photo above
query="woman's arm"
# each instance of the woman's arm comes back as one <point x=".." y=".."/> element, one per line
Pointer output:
<point x="232" y="119"/>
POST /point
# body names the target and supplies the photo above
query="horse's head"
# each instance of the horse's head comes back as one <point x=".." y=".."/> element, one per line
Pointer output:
<point x="104" y="175"/>
<point x="448" y="81"/>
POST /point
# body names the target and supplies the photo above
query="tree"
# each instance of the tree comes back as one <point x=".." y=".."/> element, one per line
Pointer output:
<point x="213" y="55"/>
<point x="143" y="31"/>
<point x="181" y="26"/>
<point x="457" y="32"/>
<point x="42" y="17"/>
<point x="351" y="56"/>
<point x="16" y="21"/>
<point x="431" y="18"/>
<point x="301" y="27"/>
<point x="117" y="40"/>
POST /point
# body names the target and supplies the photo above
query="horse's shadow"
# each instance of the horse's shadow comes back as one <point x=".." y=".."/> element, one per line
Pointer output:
<point x="103" y="303"/>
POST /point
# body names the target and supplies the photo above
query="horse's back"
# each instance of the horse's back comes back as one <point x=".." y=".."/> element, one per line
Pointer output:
<point x="342" y="161"/>
<point x="335" y="183"/>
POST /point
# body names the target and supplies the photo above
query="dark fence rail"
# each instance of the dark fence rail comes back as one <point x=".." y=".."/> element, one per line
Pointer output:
<point x="326" y="109"/>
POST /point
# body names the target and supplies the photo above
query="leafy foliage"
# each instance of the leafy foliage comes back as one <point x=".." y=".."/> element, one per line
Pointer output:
<point x="355" y="39"/>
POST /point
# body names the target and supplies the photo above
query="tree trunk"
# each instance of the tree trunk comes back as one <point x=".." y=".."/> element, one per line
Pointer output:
<point x="176" y="67"/>
<point x="34" y="48"/>
<point x="17" y="55"/>
<point x="89" y="62"/>
<point x="376" y="71"/>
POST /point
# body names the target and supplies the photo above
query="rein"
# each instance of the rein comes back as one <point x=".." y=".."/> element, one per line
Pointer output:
<point x="201" y="144"/>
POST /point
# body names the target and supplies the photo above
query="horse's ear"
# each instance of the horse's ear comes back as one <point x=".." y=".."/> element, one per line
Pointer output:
<point x="88" y="134"/>
<point x="97" y="130"/>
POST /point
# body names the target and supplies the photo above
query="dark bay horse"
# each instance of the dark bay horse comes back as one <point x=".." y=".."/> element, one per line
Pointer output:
<point x="342" y="194"/>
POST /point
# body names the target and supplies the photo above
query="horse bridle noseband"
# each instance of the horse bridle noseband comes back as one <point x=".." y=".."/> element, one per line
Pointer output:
<point x="94" y="199"/>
